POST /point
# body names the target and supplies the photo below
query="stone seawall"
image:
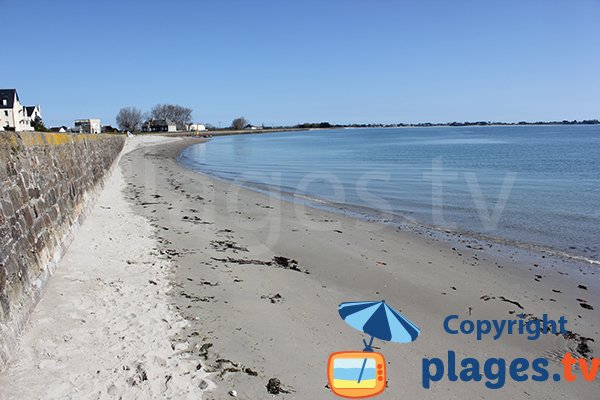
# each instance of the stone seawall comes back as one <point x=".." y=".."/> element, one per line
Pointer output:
<point x="48" y="183"/>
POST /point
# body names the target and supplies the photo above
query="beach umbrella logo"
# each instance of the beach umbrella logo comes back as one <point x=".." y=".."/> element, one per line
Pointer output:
<point x="362" y="374"/>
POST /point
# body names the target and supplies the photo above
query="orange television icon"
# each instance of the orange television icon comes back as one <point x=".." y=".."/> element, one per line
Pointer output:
<point x="356" y="374"/>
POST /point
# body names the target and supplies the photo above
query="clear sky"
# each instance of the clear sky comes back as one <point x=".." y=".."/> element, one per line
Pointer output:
<point x="287" y="62"/>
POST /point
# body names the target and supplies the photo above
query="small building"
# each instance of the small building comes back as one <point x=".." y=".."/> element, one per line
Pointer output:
<point x="250" y="127"/>
<point x="196" y="128"/>
<point x="33" y="113"/>
<point x="58" y="129"/>
<point x="13" y="115"/>
<point x="88" y="126"/>
<point x="159" y="125"/>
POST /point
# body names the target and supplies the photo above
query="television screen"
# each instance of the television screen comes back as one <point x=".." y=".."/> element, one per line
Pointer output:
<point x="354" y="373"/>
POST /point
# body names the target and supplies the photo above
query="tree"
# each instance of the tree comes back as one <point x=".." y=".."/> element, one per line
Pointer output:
<point x="309" y="125"/>
<point x="182" y="116"/>
<point x="38" y="125"/>
<point x="129" y="119"/>
<point x="239" y="123"/>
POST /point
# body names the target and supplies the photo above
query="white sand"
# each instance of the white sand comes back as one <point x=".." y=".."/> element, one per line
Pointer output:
<point x="104" y="325"/>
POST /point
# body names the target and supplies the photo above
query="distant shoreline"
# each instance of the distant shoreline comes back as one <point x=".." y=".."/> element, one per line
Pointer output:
<point x="327" y="125"/>
<point x="478" y="123"/>
<point x="229" y="132"/>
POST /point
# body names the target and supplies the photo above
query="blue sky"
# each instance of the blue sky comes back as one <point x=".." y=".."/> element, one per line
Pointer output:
<point x="286" y="62"/>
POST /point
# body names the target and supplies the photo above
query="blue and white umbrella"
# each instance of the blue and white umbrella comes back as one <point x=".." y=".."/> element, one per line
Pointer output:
<point x="377" y="319"/>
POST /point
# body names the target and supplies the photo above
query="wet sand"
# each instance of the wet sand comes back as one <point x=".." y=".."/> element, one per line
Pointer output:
<point x="260" y="281"/>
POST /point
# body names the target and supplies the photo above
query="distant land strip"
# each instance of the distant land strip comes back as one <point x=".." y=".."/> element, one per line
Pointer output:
<point x="421" y="124"/>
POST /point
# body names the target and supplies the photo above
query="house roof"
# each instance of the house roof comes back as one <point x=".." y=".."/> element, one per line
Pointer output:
<point x="10" y="95"/>
<point x="30" y="110"/>
<point x="159" y="122"/>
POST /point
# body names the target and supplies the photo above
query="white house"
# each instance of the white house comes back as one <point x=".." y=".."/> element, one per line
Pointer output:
<point x="159" y="125"/>
<point x="15" y="116"/>
<point x="196" y="128"/>
<point x="88" y="126"/>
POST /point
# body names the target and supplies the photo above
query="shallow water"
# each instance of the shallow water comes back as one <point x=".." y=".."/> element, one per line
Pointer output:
<point x="537" y="185"/>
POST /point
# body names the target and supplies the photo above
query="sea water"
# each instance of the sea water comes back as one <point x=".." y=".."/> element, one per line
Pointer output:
<point x="537" y="185"/>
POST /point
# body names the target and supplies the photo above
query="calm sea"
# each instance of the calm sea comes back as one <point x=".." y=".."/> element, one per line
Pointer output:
<point x="536" y="185"/>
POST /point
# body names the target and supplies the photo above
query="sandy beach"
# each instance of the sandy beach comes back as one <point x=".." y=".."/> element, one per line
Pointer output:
<point x="104" y="328"/>
<point x="185" y="286"/>
<point x="254" y="318"/>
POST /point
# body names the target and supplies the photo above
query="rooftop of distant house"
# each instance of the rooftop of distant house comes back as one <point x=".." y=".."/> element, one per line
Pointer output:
<point x="7" y="98"/>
